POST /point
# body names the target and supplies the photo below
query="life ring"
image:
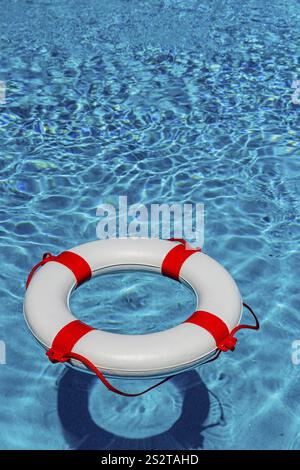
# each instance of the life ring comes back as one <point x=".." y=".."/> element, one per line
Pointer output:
<point x="204" y="334"/>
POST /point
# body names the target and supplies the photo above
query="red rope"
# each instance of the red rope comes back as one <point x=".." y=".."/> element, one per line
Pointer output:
<point x="230" y="341"/>
<point x="249" y="327"/>
<point x="46" y="258"/>
<point x="107" y="384"/>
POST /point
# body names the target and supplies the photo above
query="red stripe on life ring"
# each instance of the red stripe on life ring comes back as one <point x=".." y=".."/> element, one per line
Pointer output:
<point x="213" y="324"/>
<point x="174" y="260"/>
<point x="66" y="339"/>
<point x="79" y="267"/>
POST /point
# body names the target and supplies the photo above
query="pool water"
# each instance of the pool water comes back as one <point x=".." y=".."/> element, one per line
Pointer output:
<point x="163" y="101"/>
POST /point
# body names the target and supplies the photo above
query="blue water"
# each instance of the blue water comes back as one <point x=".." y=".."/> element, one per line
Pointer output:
<point x="163" y="101"/>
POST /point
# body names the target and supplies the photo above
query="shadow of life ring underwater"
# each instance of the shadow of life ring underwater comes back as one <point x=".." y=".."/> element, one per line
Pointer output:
<point x="198" y="340"/>
<point x="117" y="427"/>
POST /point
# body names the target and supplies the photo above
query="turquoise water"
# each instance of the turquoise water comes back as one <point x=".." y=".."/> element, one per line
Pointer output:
<point x="163" y="101"/>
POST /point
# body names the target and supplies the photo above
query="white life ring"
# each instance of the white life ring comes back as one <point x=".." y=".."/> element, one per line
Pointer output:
<point x="47" y="312"/>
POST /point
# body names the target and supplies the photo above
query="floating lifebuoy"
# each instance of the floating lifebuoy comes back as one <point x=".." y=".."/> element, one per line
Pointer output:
<point x="198" y="339"/>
